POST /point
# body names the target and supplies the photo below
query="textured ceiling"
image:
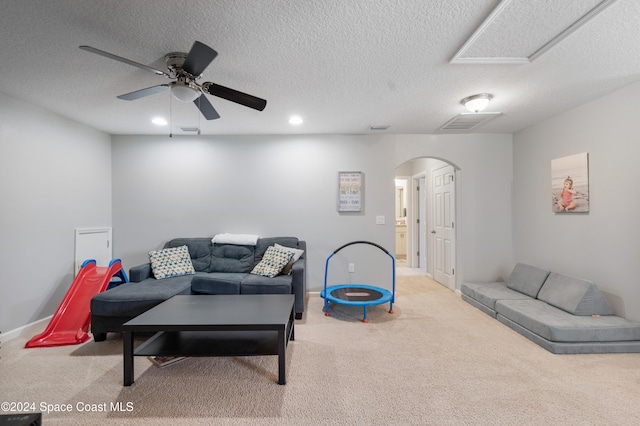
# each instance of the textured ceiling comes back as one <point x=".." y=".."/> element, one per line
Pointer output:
<point x="341" y="65"/>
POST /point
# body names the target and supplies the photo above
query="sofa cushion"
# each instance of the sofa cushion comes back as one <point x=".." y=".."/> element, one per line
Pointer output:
<point x="574" y="295"/>
<point x="558" y="325"/>
<point x="273" y="261"/>
<point x="217" y="283"/>
<point x="199" y="250"/>
<point x="258" y="284"/>
<point x="171" y="262"/>
<point x="232" y="258"/>
<point x="132" y="299"/>
<point x="527" y="279"/>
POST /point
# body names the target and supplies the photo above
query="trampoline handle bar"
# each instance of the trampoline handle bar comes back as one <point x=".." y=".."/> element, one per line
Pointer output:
<point x="361" y="242"/>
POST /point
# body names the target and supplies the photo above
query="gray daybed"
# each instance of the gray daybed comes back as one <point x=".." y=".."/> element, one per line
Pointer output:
<point x="563" y="314"/>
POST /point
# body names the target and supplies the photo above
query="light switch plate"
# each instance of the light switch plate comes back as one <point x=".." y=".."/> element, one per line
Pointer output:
<point x="380" y="220"/>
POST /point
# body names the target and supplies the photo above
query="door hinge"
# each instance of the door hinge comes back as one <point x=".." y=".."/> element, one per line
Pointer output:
<point x="452" y="225"/>
<point x="108" y="243"/>
<point x="453" y="271"/>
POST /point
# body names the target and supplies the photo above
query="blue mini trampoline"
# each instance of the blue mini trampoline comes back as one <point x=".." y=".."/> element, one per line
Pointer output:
<point x="358" y="294"/>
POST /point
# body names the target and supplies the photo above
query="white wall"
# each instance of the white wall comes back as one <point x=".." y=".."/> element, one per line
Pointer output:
<point x="55" y="175"/>
<point x="286" y="185"/>
<point x="604" y="244"/>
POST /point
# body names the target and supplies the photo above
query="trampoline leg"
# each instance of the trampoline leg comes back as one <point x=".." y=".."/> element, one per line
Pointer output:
<point x="365" y="315"/>
<point x="326" y="308"/>
<point x="390" y="307"/>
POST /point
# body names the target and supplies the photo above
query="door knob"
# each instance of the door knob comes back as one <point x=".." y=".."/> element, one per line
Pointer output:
<point x="433" y="232"/>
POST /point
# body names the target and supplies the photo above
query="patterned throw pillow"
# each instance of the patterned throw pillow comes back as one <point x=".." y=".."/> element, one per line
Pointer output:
<point x="296" y="255"/>
<point x="171" y="262"/>
<point x="272" y="262"/>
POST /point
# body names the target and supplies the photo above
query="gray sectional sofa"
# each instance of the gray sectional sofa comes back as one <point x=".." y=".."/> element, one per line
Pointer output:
<point x="219" y="269"/>
<point x="563" y="314"/>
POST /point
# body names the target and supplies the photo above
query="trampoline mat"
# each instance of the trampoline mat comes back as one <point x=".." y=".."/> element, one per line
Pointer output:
<point x="356" y="294"/>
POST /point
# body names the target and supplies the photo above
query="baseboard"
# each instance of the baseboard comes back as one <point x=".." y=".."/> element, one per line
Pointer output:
<point x="29" y="330"/>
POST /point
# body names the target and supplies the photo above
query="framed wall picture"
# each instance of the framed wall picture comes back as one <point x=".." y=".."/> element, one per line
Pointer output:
<point x="570" y="184"/>
<point x="350" y="191"/>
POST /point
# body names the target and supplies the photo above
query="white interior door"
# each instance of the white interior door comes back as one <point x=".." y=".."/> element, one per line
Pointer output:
<point x="444" y="225"/>
<point x="93" y="243"/>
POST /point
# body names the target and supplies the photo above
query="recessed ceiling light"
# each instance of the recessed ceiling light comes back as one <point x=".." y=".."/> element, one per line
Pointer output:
<point x="295" y="120"/>
<point x="159" y="121"/>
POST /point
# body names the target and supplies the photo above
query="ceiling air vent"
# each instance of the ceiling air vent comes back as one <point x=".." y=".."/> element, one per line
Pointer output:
<point x="379" y="126"/>
<point x="467" y="121"/>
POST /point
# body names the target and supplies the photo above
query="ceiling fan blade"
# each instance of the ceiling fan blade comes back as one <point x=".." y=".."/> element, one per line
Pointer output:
<point x="125" y="60"/>
<point x="144" y="92"/>
<point x="198" y="58"/>
<point x="205" y="107"/>
<point x="234" y="96"/>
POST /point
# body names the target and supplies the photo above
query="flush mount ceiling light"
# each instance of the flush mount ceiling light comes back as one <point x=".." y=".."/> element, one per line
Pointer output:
<point x="477" y="103"/>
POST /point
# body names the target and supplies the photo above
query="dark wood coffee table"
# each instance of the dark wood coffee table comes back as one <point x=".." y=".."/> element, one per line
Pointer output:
<point x="213" y="325"/>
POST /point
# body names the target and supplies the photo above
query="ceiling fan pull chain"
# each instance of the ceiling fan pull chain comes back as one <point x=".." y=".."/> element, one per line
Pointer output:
<point x="170" y="118"/>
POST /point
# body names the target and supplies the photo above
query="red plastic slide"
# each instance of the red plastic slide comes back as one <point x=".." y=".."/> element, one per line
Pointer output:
<point x="70" y="324"/>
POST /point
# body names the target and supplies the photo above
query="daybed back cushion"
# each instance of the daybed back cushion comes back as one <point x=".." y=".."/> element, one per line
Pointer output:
<point x="527" y="279"/>
<point x="199" y="250"/>
<point x="264" y="243"/>
<point x="232" y="258"/>
<point x="574" y="295"/>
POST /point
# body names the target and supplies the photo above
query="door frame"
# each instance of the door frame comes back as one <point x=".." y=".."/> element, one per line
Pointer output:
<point x="414" y="232"/>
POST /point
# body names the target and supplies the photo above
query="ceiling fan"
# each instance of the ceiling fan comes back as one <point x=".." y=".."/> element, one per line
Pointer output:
<point x="185" y="69"/>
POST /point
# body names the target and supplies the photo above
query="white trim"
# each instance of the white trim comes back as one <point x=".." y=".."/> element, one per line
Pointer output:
<point x="458" y="59"/>
<point x="572" y="28"/>
<point x="30" y="329"/>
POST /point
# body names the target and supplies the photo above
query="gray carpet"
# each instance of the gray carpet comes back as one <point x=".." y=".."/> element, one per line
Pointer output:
<point x="435" y="361"/>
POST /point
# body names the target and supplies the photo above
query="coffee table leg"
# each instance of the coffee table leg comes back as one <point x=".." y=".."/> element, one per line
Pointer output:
<point x="282" y="351"/>
<point x="127" y="344"/>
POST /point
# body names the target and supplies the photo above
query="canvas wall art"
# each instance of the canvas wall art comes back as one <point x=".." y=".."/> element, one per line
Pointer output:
<point x="570" y="184"/>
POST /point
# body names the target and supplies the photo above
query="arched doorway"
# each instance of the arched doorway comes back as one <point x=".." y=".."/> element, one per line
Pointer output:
<point x="425" y="218"/>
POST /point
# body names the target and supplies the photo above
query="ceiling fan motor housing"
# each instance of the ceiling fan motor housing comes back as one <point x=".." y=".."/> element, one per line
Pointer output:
<point x="174" y="61"/>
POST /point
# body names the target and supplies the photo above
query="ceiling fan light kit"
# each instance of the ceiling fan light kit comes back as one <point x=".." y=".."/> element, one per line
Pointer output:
<point x="185" y="69"/>
<point x="477" y="103"/>
<point x="184" y="92"/>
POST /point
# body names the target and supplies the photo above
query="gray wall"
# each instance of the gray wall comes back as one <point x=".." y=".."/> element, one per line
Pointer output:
<point x="55" y="176"/>
<point x="286" y="185"/>
<point x="602" y="245"/>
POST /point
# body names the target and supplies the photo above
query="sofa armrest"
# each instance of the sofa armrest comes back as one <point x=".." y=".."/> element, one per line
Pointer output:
<point x="299" y="285"/>
<point x="140" y="273"/>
